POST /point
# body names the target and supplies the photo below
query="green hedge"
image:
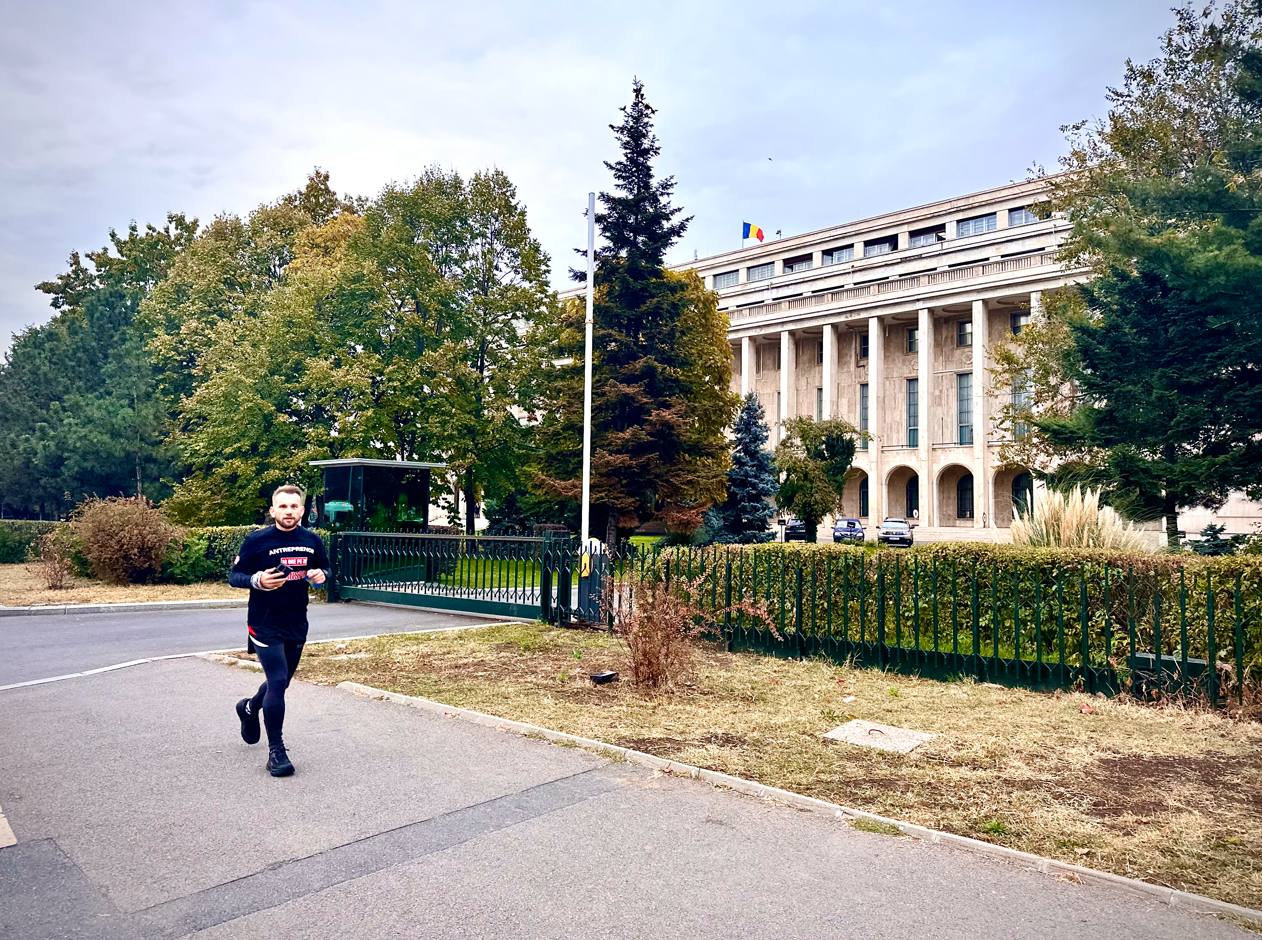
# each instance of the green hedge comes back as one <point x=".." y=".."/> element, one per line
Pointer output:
<point x="1039" y="611"/>
<point x="18" y="537"/>
<point x="204" y="553"/>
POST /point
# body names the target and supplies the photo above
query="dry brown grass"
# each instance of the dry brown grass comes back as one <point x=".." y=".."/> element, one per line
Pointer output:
<point x="1168" y="795"/>
<point x="19" y="587"/>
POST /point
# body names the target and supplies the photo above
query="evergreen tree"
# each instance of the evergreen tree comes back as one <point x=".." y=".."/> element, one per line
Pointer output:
<point x="1147" y="379"/>
<point x="751" y="483"/>
<point x="661" y="366"/>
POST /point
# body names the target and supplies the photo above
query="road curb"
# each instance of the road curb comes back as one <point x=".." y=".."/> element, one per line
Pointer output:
<point x="1186" y="900"/>
<point x="130" y="608"/>
<point x="229" y="661"/>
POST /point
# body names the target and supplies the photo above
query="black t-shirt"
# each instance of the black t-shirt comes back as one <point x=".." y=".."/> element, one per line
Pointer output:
<point x="281" y="613"/>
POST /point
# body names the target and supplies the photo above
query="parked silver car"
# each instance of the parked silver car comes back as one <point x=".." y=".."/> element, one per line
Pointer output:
<point x="894" y="532"/>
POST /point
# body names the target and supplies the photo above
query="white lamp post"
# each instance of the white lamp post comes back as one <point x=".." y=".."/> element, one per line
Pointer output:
<point x="587" y="372"/>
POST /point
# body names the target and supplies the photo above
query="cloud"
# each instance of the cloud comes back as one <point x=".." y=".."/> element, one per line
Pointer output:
<point x="122" y="112"/>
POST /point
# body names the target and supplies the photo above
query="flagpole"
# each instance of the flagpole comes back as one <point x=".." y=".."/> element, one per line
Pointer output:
<point x="587" y="371"/>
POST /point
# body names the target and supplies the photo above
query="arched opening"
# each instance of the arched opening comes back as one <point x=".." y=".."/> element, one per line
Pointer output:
<point x="964" y="497"/>
<point x="1014" y="493"/>
<point x="902" y="494"/>
<point x="955" y="481"/>
<point x="855" y="497"/>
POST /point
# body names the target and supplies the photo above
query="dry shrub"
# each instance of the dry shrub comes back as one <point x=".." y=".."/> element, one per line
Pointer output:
<point x="125" y="540"/>
<point x="54" y="566"/>
<point x="660" y="623"/>
<point x="1075" y="521"/>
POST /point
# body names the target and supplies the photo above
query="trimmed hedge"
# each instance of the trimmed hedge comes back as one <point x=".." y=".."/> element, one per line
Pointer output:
<point x="18" y="538"/>
<point x="1080" y="608"/>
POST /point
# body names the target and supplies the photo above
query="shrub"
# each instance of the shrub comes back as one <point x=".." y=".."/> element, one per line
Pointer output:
<point x="190" y="562"/>
<point x="660" y="622"/>
<point x="124" y="540"/>
<point x="54" y="566"/>
<point x="19" y="538"/>
<point x="1075" y="521"/>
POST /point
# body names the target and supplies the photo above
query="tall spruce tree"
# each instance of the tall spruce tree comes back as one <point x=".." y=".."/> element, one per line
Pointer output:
<point x="661" y="363"/>
<point x="744" y="515"/>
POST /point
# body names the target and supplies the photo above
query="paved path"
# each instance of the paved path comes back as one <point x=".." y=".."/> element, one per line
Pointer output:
<point x="40" y="647"/>
<point x="140" y="814"/>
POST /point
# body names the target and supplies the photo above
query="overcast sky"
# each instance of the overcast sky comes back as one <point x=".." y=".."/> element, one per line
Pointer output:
<point x="119" y="112"/>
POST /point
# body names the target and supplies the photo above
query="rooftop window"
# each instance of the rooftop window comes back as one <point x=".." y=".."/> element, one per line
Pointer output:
<point x="761" y="272"/>
<point x="880" y="246"/>
<point x="976" y="225"/>
<point x="1021" y="216"/>
<point x="727" y="279"/>
<point x="926" y="236"/>
<point x="794" y="265"/>
<point x="838" y="255"/>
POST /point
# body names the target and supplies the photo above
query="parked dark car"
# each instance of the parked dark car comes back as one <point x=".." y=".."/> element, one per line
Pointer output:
<point x="794" y="530"/>
<point x="894" y="532"/>
<point x="848" y="530"/>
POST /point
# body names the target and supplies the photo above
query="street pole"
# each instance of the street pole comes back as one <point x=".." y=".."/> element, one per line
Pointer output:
<point x="587" y="371"/>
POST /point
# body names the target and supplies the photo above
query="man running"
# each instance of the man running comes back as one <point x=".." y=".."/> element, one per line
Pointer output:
<point x="275" y="564"/>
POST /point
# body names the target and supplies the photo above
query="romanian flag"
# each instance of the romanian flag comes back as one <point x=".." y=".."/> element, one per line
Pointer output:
<point x="752" y="231"/>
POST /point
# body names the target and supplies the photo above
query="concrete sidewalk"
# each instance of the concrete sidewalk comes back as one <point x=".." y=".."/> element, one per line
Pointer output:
<point x="139" y="813"/>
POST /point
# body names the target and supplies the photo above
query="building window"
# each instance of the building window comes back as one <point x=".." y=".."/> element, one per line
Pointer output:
<point x="863" y="346"/>
<point x="819" y="404"/>
<point x="863" y="415"/>
<point x="1020" y="403"/>
<point x="838" y="255"/>
<point x="1020" y="320"/>
<point x="1020" y="216"/>
<point x="913" y="412"/>
<point x="926" y="236"/>
<point x="761" y="272"/>
<point x="976" y="226"/>
<point x="881" y="246"/>
<point x="964" y="333"/>
<point x="913" y="339"/>
<point x="964" y="497"/>
<point x="863" y="498"/>
<point x="727" y="279"/>
<point x="819" y="352"/>
<point x="964" y="406"/>
<point x="912" y="498"/>
<point x="795" y="265"/>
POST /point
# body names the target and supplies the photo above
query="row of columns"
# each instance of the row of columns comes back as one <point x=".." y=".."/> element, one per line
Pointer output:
<point x="982" y="469"/>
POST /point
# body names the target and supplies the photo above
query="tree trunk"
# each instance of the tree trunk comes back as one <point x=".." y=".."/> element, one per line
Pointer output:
<point x="468" y="502"/>
<point x="1172" y="525"/>
<point x="611" y="530"/>
<point x="812" y="529"/>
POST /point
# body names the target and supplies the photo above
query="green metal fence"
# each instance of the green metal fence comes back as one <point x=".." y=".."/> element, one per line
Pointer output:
<point x="1091" y="624"/>
<point x="1095" y="621"/>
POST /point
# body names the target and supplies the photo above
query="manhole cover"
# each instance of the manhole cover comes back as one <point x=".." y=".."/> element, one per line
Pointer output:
<point x="881" y="737"/>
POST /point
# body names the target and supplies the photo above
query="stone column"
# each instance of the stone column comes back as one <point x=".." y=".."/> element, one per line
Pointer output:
<point x="981" y="426"/>
<point x="1036" y="306"/>
<point x="876" y="418"/>
<point x="747" y="365"/>
<point x="829" y="380"/>
<point x="788" y="382"/>
<point x="924" y="363"/>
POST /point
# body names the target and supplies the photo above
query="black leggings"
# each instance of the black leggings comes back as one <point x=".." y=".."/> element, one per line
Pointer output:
<point x="279" y="662"/>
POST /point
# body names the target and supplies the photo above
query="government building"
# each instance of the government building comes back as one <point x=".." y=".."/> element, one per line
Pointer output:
<point x="889" y="323"/>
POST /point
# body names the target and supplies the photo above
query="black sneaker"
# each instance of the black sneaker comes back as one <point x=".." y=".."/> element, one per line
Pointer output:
<point x="249" y="722"/>
<point x="278" y="764"/>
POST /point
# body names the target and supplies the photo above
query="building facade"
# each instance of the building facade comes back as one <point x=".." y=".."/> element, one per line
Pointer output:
<point x="889" y="323"/>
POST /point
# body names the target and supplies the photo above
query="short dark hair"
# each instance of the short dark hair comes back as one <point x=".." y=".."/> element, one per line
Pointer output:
<point x="290" y="488"/>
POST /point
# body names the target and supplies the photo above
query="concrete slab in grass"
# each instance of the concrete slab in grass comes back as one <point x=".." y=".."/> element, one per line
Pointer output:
<point x="882" y="737"/>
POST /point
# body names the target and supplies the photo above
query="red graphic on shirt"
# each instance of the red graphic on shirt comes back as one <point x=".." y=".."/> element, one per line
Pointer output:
<point x="299" y="565"/>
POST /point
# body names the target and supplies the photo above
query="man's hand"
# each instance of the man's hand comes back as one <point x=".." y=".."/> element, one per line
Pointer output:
<point x="272" y="579"/>
<point x="315" y="575"/>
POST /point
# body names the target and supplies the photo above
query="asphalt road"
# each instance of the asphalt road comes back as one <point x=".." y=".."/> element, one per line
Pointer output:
<point x="55" y="645"/>
<point x="140" y="814"/>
